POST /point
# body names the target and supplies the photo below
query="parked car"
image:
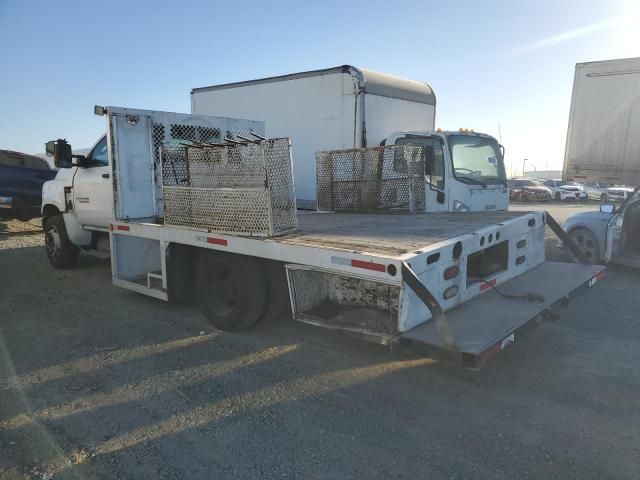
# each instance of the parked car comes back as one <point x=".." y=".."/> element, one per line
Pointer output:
<point x="21" y="180"/>
<point x="562" y="190"/>
<point x="528" y="190"/>
<point x="610" y="234"/>
<point x="605" y="192"/>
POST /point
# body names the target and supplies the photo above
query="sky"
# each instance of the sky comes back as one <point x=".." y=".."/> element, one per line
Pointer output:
<point x="500" y="67"/>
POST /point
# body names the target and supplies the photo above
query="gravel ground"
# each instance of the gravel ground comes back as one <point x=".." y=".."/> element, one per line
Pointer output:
<point x="99" y="382"/>
<point x="16" y="234"/>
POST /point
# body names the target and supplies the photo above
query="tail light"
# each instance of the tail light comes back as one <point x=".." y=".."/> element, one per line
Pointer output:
<point x="451" y="272"/>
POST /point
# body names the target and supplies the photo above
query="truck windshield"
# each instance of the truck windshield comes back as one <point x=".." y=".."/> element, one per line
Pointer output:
<point x="477" y="159"/>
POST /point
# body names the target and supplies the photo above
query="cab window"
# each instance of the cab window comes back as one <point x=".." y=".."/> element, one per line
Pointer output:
<point x="433" y="156"/>
<point x="99" y="156"/>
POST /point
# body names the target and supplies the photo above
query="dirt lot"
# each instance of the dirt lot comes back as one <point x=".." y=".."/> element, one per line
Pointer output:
<point x="98" y="382"/>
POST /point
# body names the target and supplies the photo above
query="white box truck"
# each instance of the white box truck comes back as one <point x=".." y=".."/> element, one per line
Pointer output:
<point x="388" y="277"/>
<point x="603" y="137"/>
<point x="349" y="107"/>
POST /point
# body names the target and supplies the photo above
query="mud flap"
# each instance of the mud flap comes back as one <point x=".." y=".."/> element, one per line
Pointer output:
<point x="485" y="325"/>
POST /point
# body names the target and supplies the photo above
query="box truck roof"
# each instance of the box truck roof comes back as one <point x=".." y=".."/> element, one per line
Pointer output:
<point x="365" y="80"/>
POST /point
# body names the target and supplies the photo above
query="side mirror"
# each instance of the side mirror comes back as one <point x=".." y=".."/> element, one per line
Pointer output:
<point x="50" y="148"/>
<point x="607" y="208"/>
<point x="61" y="151"/>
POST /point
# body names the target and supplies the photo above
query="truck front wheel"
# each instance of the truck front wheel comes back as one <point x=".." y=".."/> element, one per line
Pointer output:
<point x="231" y="289"/>
<point x="60" y="251"/>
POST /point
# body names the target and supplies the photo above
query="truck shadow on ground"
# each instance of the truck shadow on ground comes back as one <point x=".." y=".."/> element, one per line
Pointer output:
<point x="111" y="384"/>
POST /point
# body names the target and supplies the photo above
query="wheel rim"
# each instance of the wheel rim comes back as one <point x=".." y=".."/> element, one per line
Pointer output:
<point x="222" y="289"/>
<point x="52" y="242"/>
<point x="586" y="242"/>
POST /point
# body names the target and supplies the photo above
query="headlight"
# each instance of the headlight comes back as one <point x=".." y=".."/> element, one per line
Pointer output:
<point x="458" y="206"/>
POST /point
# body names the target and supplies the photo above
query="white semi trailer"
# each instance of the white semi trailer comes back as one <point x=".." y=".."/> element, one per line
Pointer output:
<point x="603" y="143"/>
<point x="349" y="107"/>
<point x="389" y="277"/>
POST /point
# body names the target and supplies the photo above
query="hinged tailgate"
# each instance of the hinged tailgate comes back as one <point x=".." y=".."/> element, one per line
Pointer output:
<point x="485" y="325"/>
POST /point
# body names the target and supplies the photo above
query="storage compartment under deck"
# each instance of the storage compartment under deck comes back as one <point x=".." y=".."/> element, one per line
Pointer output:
<point x="137" y="263"/>
<point x="487" y="262"/>
<point x="337" y="301"/>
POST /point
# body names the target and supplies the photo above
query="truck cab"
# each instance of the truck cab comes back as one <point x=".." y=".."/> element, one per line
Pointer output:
<point x="78" y="205"/>
<point x="82" y="196"/>
<point x="464" y="170"/>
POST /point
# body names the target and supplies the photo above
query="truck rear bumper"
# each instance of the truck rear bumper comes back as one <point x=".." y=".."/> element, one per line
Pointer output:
<point x="485" y="325"/>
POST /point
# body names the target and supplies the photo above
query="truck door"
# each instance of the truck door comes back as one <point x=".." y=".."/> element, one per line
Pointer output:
<point x="613" y="236"/>
<point x="619" y="243"/>
<point x="92" y="188"/>
<point x="434" y="170"/>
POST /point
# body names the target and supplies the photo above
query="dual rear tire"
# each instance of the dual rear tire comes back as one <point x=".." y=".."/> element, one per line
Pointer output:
<point x="237" y="291"/>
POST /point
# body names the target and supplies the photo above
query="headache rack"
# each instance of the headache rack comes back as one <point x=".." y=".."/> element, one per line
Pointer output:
<point x="242" y="187"/>
<point x="387" y="179"/>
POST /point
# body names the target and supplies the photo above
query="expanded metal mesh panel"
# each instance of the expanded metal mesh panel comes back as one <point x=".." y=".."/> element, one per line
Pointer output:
<point x="381" y="179"/>
<point x="175" y="135"/>
<point x="236" y="211"/>
<point x="242" y="189"/>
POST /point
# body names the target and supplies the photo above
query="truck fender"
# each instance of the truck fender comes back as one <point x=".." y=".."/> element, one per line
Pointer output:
<point x="77" y="235"/>
<point x="53" y="195"/>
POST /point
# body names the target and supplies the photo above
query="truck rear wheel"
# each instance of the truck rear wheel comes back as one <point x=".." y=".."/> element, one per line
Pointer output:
<point x="60" y="251"/>
<point x="231" y="289"/>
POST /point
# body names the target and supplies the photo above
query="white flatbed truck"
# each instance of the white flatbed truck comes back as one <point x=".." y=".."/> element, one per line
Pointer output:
<point x="388" y="277"/>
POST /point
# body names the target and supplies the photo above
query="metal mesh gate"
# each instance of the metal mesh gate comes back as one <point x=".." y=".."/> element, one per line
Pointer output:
<point x="381" y="179"/>
<point x="240" y="188"/>
<point x="174" y="129"/>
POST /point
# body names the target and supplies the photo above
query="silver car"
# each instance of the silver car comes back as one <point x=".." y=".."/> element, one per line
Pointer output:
<point x="610" y="235"/>
<point x="607" y="193"/>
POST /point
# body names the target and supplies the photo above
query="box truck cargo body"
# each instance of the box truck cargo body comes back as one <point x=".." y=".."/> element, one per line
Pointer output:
<point x="331" y="109"/>
<point x="603" y="137"/>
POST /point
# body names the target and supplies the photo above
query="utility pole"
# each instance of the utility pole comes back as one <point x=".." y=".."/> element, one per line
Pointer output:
<point x="523" y="163"/>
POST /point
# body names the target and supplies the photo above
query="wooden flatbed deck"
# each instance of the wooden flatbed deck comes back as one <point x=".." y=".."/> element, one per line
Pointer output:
<point x="392" y="235"/>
